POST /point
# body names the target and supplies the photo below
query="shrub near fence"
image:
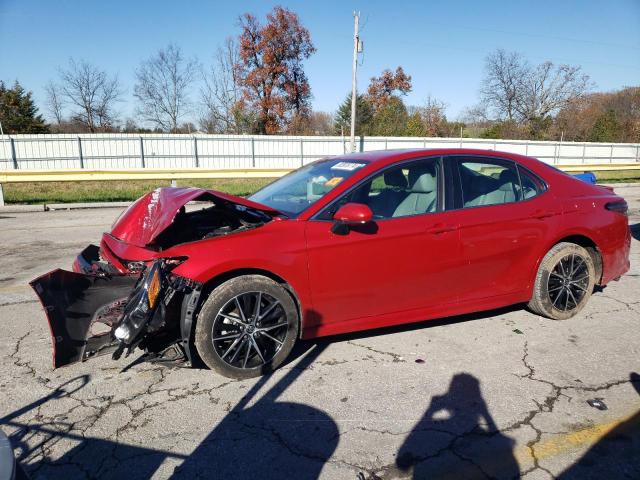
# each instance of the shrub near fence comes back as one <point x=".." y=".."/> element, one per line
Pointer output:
<point x="122" y="151"/>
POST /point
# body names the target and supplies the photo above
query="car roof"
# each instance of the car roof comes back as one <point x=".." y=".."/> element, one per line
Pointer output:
<point x="381" y="158"/>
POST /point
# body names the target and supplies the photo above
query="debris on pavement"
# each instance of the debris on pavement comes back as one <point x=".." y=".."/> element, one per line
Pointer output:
<point x="518" y="331"/>
<point x="597" y="403"/>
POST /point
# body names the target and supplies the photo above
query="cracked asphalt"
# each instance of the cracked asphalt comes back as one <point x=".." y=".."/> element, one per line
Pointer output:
<point x="501" y="394"/>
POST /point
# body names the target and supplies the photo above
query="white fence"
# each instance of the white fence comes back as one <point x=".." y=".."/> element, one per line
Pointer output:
<point x="121" y="151"/>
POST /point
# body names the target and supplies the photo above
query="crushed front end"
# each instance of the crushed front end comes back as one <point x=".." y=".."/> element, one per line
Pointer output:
<point x="98" y="313"/>
<point x="123" y="294"/>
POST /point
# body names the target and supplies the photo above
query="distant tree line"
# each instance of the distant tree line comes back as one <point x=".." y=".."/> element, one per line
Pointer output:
<point x="256" y="84"/>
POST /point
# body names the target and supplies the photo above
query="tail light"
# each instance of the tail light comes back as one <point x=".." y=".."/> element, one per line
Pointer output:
<point x="619" y="206"/>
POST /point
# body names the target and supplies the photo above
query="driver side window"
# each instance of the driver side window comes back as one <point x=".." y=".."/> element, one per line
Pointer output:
<point x="400" y="191"/>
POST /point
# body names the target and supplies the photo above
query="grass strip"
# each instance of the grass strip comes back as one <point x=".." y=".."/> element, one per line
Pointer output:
<point x="116" y="191"/>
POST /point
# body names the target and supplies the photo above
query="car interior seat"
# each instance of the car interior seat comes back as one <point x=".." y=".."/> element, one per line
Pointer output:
<point x="384" y="203"/>
<point x="485" y="190"/>
<point x="422" y="197"/>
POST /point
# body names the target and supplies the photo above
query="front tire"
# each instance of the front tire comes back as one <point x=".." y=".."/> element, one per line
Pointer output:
<point x="564" y="282"/>
<point x="247" y="327"/>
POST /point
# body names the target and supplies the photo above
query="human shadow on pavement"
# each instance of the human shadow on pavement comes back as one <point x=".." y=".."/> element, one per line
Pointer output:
<point x="616" y="455"/>
<point x="267" y="438"/>
<point x="458" y="438"/>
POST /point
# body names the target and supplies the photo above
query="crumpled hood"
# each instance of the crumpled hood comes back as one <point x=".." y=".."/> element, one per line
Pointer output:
<point x="151" y="214"/>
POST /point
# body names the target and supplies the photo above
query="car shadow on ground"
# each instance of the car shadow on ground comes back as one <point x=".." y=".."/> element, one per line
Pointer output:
<point x="296" y="440"/>
<point x="268" y="437"/>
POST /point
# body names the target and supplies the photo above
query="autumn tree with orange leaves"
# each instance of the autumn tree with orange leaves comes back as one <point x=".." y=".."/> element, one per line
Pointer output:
<point x="382" y="88"/>
<point x="270" y="72"/>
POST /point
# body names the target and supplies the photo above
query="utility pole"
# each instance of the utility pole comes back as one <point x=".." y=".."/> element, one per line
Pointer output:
<point x="354" y="87"/>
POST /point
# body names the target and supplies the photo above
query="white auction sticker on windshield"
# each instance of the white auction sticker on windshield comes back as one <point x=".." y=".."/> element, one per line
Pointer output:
<point x="350" y="166"/>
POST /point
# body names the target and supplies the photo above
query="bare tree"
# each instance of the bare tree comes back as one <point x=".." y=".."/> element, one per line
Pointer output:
<point x="162" y="84"/>
<point x="434" y="116"/>
<point x="91" y="93"/>
<point x="475" y="115"/>
<point x="504" y="72"/>
<point x="221" y="92"/>
<point x="54" y="101"/>
<point x="320" y="123"/>
<point x="545" y="89"/>
<point x="515" y="91"/>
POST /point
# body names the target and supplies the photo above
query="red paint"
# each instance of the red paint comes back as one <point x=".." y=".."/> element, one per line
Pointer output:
<point x="399" y="270"/>
<point x="353" y="213"/>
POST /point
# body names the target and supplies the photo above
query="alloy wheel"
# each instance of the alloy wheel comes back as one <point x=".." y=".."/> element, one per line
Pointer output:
<point x="568" y="282"/>
<point x="249" y="330"/>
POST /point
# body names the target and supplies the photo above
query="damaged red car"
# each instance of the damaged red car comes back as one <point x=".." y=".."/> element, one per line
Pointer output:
<point x="343" y="244"/>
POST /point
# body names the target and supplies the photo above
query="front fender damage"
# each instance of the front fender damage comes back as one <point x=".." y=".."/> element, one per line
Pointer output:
<point x="91" y="315"/>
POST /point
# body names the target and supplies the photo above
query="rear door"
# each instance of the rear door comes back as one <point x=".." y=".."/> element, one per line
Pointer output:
<point x="404" y="260"/>
<point x="505" y="215"/>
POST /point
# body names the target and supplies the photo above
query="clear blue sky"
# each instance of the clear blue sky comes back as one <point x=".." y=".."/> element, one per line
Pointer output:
<point x="442" y="44"/>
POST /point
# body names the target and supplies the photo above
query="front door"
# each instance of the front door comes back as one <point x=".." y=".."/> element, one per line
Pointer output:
<point x="404" y="260"/>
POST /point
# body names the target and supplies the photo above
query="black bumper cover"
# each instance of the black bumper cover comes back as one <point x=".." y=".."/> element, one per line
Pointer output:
<point x="82" y="311"/>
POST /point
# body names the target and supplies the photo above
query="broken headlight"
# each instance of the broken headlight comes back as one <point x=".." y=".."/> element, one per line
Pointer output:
<point x="145" y="309"/>
<point x="141" y="305"/>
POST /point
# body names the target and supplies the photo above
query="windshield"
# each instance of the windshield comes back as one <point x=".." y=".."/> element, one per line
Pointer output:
<point x="301" y="188"/>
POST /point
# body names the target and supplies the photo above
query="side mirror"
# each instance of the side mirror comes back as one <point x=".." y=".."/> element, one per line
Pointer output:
<point x="351" y="214"/>
<point x="354" y="214"/>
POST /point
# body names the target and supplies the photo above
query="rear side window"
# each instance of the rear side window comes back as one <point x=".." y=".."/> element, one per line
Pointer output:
<point x="485" y="182"/>
<point x="531" y="185"/>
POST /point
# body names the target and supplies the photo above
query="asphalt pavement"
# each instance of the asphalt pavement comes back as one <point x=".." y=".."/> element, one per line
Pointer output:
<point x="501" y="394"/>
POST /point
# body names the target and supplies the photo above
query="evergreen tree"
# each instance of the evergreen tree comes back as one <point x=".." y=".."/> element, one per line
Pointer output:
<point x="391" y="119"/>
<point x="364" y="116"/>
<point x="18" y="113"/>
<point x="606" y="128"/>
<point x="415" y="127"/>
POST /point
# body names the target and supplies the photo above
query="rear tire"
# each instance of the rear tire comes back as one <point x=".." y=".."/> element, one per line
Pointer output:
<point x="247" y="327"/>
<point x="564" y="282"/>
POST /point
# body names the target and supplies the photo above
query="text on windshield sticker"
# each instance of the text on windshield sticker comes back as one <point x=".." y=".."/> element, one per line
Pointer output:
<point x="350" y="166"/>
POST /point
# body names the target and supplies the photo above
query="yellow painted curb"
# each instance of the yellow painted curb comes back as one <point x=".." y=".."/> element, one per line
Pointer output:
<point x="586" y="437"/>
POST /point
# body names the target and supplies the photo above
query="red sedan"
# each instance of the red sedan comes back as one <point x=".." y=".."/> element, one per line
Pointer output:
<point x="344" y="244"/>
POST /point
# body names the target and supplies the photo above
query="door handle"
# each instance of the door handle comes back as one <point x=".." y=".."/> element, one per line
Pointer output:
<point x="439" y="228"/>
<point x="540" y="214"/>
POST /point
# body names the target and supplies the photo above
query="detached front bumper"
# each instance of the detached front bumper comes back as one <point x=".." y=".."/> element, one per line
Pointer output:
<point x="82" y="311"/>
<point x="96" y="310"/>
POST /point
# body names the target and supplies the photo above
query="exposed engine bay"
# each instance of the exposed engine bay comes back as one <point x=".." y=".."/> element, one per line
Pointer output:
<point x="215" y="220"/>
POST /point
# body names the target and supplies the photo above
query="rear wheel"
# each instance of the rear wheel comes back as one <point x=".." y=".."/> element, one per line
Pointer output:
<point x="247" y="327"/>
<point x="564" y="283"/>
